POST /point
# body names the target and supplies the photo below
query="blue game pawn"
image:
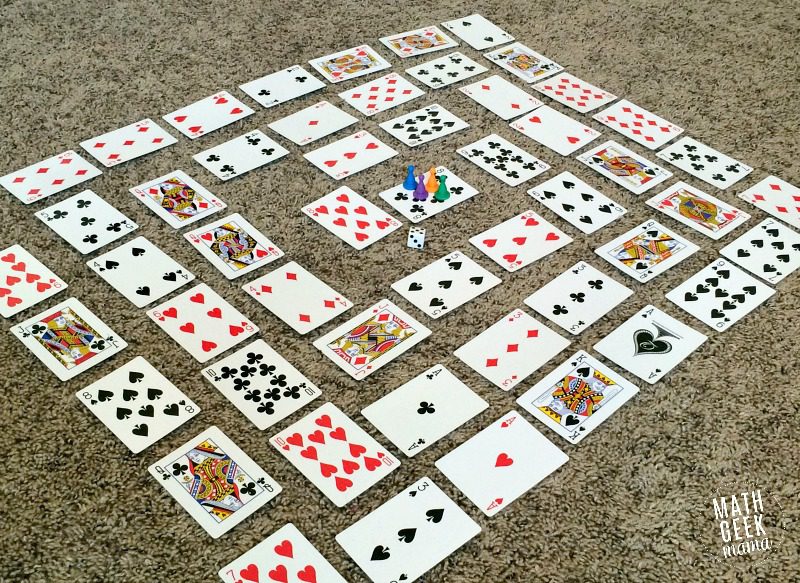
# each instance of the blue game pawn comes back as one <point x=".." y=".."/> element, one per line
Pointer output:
<point x="410" y="183"/>
<point x="420" y="192"/>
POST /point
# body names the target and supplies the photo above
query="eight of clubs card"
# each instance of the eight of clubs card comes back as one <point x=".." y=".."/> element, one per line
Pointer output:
<point x="625" y="167"/>
<point x="24" y="281"/>
<point x="770" y="249"/>
<point x="178" y="199"/>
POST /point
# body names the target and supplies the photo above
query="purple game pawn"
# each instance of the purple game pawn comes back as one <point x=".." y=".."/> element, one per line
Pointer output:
<point x="420" y="192"/>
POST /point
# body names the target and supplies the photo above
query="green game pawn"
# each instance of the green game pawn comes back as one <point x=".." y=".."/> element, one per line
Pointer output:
<point x="442" y="194"/>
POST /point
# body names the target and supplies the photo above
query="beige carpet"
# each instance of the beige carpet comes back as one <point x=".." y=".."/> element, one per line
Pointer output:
<point x="632" y="504"/>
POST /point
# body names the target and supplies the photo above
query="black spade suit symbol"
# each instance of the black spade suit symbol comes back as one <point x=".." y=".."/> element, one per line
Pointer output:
<point x="645" y="343"/>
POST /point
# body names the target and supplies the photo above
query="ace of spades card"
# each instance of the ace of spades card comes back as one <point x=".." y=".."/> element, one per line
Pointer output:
<point x="409" y="534"/>
<point x="646" y="251"/>
<point x="138" y="404"/>
<point x="262" y="384"/>
<point x="48" y="177"/>
<point x="350" y="155"/>
<point x="502" y="462"/>
<point x="446" y="70"/>
<point x="510" y="350"/>
<point x="704" y="162"/>
<point x="777" y="197"/>
<point x="579" y="297"/>
<point x="349" y="64"/>
<point x="334" y="454"/>
<point x="140" y="271"/>
<point x="282" y="86"/>
<point x="371" y="339"/>
<point x="478" y="32"/>
<point x="178" y="199"/>
<point x="68" y="338"/>
<point x="447" y="283"/>
<point x="424" y="125"/>
<point x="770" y="249"/>
<point x="577" y="396"/>
<point x="503" y="160"/>
<point x="240" y="155"/>
<point x="24" y="281"/>
<point x="523" y="62"/>
<point x="638" y="124"/>
<point x="575" y="93"/>
<point x="381" y="94"/>
<point x="215" y="481"/>
<point x="720" y="295"/>
<point x="208" y="115"/>
<point x="283" y="554"/>
<point x="416" y="211"/>
<point x="127" y="143"/>
<point x="420" y="412"/>
<point x="650" y="344"/>
<point x="624" y="167"/>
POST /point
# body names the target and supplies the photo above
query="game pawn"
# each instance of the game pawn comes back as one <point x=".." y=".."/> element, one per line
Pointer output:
<point x="432" y="184"/>
<point x="410" y="183"/>
<point x="421" y="193"/>
<point x="442" y="194"/>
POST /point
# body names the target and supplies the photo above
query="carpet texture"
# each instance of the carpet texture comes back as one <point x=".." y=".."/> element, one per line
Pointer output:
<point x="632" y="504"/>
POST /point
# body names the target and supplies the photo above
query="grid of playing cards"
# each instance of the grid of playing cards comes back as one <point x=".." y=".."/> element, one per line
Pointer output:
<point x="565" y="388"/>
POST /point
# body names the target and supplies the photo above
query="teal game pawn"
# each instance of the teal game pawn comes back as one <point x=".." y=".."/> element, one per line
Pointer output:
<point x="420" y="192"/>
<point x="410" y="183"/>
<point x="442" y="194"/>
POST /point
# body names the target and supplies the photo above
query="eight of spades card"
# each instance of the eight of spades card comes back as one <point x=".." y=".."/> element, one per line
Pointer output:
<point x="140" y="271"/>
<point x="424" y="125"/>
<point x="24" y="281"/>
<point x="523" y="62"/>
<point x="478" y="32"/>
<point x="371" y="339"/>
<point x="501" y="97"/>
<point x="502" y="462"/>
<point x="335" y="454"/>
<point x="446" y="70"/>
<point x="208" y="115"/>
<point x="579" y="297"/>
<point x="280" y="557"/>
<point x="577" y="203"/>
<point x="233" y="245"/>
<point x="405" y="537"/>
<point x="261" y="384"/>
<point x="503" y="160"/>
<point x="577" y="396"/>
<point x="138" y="404"/>
<point x="705" y="162"/>
<point x="650" y="344"/>
<point x="68" y="338"/>
<point x="349" y="64"/>
<point x="625" y="167"/>
<point x="638" y="124"/>
<point x="381" y="94"/>
<point x="404" y="201"/>
<point x="350" y="155"/>
<point x="445" y="284"/>
<point x="127" y="143"/>
<point x="215" y="481"/>
<point x="240" y="155"/>
<point x="770" y="249"/>
<point x="554" y="130"/>
<point x="777" y="197"/>
<point x="646" y="251"/>
<point x="720" y="295"/>
<point x="178" y="199"/>
<point x="49" y="177"/>
<point x="510" y="350"/>
<point x="282" y="86"/>
<point x="417" y="414"/>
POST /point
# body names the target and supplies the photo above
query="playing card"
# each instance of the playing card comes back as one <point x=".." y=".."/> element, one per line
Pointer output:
<point x="501" y="463"/>
<point x="576" y="202"/>
<point x="415" y="530"/>
<point x="554" y="130"/>
<point x="520" y="241"/>
<point x="501" y="97"/>
<point x="650" y="344"/>
<point x="418" y="42"/>
<point x="207" y="115"/>
<point x="335" y="454"/>
<point x="575" y="93"/>
<point x="445" y="284"/>
<point x="417" y="414"/>
<point x="646" y="250"/>
<point x="446" y="70"/>
<point x="138" y="404"/>
<point x="510" y="350"/>
<point x="381" y="94"/>
<point x="503" y="160"/>
<point x="777" y="197"/>
<point x="704" y="162"/>
<point x="770" y="249"/>
<point x="720" y="295"/>
<point x="478" y="32"/>
<point x="349" y="64"/>
<point x="312" y="123"/>
<point x="350" y="155"/>
<point x="215" y="481"/>
<point x="351" y="217"/>
<point x="86" y="221"/>
<point x="48" y="177"/>
<point x="140" y="271"/>
<point x="262" y="384"/>
<point x="203" y="323"/>
<point x="638" y="124"/>
<point x="578" y="298"/>
<point x="625" y="167"/>
<point x="424" y="125"/>
<point x="698" y="210"/>
<point x="24" y="281"/>
<point x="298" y="297"/>
<point x="68" y="338"/>
<point x="283" y="552"/>
<point x="282" y="86"/>
<point x="402" y="199"/>
<point x="577" y="396"/>
<point x="127" y="143"/>
<point x="371" y="339"/>
<point x="233" y="245"/>
<point x="178" y="199"/>
<point x="523" y="62"/>
<point x="240" y="155"/>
